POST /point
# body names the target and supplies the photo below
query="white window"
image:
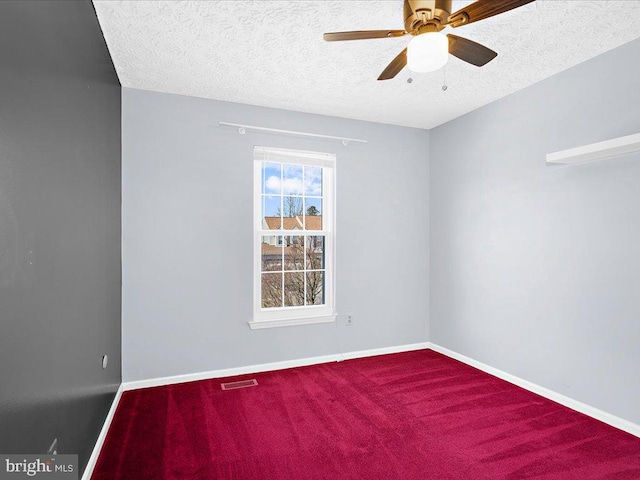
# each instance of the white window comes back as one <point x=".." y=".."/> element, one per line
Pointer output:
<point x="293" y="237"/>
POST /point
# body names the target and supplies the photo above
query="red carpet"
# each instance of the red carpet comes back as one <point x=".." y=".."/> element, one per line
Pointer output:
<point x="417" y="415"/>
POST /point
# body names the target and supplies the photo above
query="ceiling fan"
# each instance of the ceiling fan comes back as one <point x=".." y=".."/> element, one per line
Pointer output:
<point x="429" y="50"/>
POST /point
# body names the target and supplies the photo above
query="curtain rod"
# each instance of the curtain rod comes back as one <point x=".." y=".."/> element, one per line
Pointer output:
<point x="242" y="129"/>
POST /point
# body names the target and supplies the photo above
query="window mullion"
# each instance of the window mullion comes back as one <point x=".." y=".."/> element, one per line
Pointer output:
<point x="283" y="237"/>
<point x="304" y="269"/>
<point x="304" y="238"/>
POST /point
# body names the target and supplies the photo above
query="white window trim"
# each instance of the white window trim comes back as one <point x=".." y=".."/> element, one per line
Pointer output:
<point x="290" y="316"/>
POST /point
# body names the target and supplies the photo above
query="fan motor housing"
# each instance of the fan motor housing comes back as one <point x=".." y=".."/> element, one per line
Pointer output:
<point x="426" y="15"/>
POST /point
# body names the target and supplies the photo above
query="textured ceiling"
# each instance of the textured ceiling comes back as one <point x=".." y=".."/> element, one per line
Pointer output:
<point x="271" y="53"/>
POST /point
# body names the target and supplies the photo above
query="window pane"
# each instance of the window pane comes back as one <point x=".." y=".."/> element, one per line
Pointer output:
<point x="313" y="213"/>
<point x="315" y="252"/>
<point x="313" y="181"/>
<point x="271" y="212"/>
<point x="271" y="253"/>
<point x="293" y="289"/>
<point x="292" y="184"/>
<point x="271" y="178"/>
<point x="292" y="213"/>
<point x="293" y="252"/>
<point x="271" y="290"/>
<point x="315" y="288"/>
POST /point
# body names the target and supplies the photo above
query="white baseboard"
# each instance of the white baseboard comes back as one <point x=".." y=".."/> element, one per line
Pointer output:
<point x="93" y="459"/>
<point x="385" y="350"/>
<point x="593" y="412"/>
<point x="267" y="367"/>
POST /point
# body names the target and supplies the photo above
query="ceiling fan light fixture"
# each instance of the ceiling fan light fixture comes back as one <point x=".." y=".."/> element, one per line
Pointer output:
<point x="428" y="52"/>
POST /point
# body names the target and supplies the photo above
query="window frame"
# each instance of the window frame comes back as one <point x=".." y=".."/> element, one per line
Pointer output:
<point x="306" y="314"/>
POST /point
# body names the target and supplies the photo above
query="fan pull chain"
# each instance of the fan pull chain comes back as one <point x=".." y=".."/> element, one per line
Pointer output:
<point x="444" y="79"/>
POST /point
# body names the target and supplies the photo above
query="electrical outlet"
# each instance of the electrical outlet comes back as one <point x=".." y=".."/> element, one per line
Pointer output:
<point x="349" y="318"/>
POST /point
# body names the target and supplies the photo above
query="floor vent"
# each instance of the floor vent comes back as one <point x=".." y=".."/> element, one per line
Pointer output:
<point x="240" y="384"/>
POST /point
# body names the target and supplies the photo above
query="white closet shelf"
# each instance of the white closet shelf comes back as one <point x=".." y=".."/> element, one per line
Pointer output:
<point x="596" y="151"/>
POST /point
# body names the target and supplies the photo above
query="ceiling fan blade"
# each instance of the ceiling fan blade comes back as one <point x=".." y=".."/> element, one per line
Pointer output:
<point x="396" y="65"/>
<point x="362" y="35"/>
<point x="482" y="9"/>
<point x="469" y="51"/>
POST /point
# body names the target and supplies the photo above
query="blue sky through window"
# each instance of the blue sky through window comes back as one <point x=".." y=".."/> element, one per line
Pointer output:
<point x="288" y="179"/>
<point x="286" y="185"/>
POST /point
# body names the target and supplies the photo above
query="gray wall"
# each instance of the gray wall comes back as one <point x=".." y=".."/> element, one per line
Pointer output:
<point x="535" y="270"/>
<point x="187" y="236"/>
<point x="59" y="227"/>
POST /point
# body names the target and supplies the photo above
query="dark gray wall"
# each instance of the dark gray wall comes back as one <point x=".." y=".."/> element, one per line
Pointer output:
<point x="59" y="227"/>
<point x="535" y="270"/>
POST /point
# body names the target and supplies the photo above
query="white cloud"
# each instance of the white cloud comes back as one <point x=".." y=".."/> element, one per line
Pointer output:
<point x="292" y="186"/>
<point x="272" y="185"/>
<point x="313" y="181"/>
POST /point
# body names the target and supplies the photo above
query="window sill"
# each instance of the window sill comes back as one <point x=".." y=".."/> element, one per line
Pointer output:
<point x="290" y="322"/>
